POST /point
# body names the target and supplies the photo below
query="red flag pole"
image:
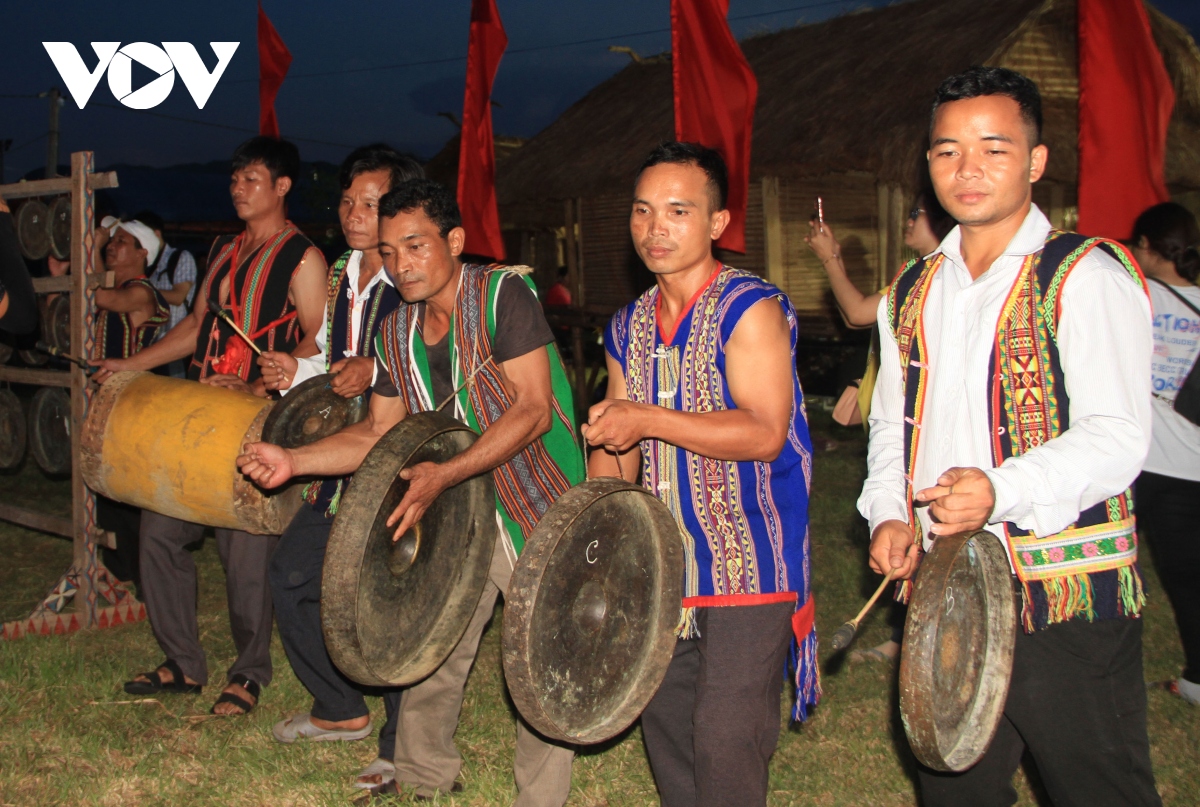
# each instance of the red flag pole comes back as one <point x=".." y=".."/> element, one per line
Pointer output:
<point x="477" y="151"/>
<point x="715" y="94"/>
<point x="274" y="59"/>
<point x="1125" y="103"/>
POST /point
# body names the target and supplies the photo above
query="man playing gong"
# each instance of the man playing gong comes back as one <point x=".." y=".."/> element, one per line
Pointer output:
<point x="271" y="280"/>
<point x="703" y="399"/>
<point x="476" y="338"/>
<point x="1014" y="396"/>
<point x="361" y="296"/>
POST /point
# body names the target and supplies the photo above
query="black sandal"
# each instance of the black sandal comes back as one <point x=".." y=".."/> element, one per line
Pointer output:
<point x="155" y="684"/>
<point x="246" y="706"/>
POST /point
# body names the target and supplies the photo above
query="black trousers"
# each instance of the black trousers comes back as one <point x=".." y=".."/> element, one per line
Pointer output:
<point x="713" y="725"/>
<point x="125" y="521"/>
<point x="1077" y="701"/>
<point x="295" y="574"/>
<point x="1168" y="513"/>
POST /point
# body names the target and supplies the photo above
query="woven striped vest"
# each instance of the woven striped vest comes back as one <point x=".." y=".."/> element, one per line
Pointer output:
<point x="1089" y="570"/>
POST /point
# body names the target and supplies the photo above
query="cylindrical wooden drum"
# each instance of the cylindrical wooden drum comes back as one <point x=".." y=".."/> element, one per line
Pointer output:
<point x="171" y="446"/>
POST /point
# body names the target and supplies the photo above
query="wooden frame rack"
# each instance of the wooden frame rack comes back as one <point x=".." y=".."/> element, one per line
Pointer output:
<point x="86" y="581"/>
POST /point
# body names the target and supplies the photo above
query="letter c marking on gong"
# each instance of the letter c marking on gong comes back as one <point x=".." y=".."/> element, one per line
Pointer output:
<point x="588" y="552"/>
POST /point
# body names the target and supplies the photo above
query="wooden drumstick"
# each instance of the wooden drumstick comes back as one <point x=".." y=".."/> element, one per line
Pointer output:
<point x="221" y="314"/>
<point x="845" y="634"/>
<point x="53" y="351"/>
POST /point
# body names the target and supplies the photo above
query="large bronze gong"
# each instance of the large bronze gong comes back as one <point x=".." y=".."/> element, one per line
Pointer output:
<point x="392" y="612"/>
<point x="956" y="660"/>
<point x="590" y="614"/>
<point x="311" y="412"/>
<point x="50" y="430"/>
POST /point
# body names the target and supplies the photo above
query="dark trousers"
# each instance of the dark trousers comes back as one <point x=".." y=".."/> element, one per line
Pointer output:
<point x="1077" y="701"/>
<point x="1168" y="513"/>
<point x="169" y="585"/>
<point x="713" y="725"/>
<point x="295" y="573"/>
<point x="124" y="521"/>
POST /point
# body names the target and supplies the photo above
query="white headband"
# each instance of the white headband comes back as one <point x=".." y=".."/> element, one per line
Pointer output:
<point x="141" y="232"/>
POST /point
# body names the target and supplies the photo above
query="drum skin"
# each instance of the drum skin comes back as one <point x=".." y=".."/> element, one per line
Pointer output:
<point x="591" y="611"/>
<point x="956" y="660"/>
<point x="171" y="446"/>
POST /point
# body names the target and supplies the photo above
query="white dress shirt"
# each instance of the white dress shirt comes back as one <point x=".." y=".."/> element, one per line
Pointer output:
<point x="1104" y="342"/>
<point x="315" y="365"/>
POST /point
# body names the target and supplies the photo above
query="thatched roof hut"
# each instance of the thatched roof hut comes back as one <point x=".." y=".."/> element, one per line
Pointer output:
<point x="842" y="112"/>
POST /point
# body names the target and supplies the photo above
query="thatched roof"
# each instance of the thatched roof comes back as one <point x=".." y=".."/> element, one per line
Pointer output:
<point x="848" y="94"/>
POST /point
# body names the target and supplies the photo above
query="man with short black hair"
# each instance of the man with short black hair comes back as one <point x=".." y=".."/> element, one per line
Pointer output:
<point x="1020" y="357"/>
<point x="518" y="401"/>
<point x="704" y="404"/>
<point x="360" y="297"/>
<point x="271" y="280"/>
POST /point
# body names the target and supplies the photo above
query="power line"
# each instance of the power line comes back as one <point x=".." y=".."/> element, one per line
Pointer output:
<point x="29" y="142"/>
<point x="535" y="48"/>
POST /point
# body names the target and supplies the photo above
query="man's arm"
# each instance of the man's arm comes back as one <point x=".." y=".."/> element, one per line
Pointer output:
<point x="884" y="498"/>
<point x="179" y="343"/>
<point x="308" y="293"/>
<point x="126" y="301"/>
<point x="601" y="461"/>
<point x="177" y="294"/>
<point x="337" y="455"/>
<point x="759" y="369"/>
<point x="1105" y="344"/>
<point x="530" y="416"/>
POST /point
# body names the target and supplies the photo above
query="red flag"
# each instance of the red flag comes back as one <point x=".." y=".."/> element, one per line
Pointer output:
<point x="274" y="59"/>
<point x="1125" y="102"/>
<point x="715" y="93"/>
<point x="477" y="151"/>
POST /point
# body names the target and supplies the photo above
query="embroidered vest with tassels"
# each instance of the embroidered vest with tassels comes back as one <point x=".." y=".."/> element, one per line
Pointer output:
<point x="529" y="483"/>
<point x="1089" y="570"/>
<point x="380" y="301"/>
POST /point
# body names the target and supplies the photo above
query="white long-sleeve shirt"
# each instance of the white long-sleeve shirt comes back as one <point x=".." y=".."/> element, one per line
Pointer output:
<point x="1105" y="346"/>
<point x="315" y="365"/>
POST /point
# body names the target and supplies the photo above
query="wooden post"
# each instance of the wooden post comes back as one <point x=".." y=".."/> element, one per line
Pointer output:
<point x="573" y="209"/>
<point x="83" y="504"/>
<point x="773" y="233"/>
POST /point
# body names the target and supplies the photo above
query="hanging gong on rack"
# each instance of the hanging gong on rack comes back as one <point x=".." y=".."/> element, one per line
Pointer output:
<point x="391" y="611"/>
<point x="59" y="231"/>
<point x="6" y="350"/>
<point x="311" y="412"/>
<point x="591" y="611"/>
<point x="956" y="660"/>
<point x="33" y="232"/>
<point x="50" y="430"/>
<point x="56" y="325"/>
<point x="12" y="430"/>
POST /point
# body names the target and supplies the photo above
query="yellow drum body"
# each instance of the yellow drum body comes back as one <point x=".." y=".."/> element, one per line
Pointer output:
<point x="171" y="446"/>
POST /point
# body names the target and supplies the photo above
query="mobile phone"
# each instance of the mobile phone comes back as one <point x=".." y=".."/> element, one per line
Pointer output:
<point x="820" y="215"/>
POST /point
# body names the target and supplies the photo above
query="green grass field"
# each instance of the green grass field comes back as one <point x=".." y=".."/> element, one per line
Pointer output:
<point x="64" y="740"/>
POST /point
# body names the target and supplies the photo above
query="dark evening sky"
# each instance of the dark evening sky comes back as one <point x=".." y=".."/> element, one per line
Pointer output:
<point x="361" y="71"/>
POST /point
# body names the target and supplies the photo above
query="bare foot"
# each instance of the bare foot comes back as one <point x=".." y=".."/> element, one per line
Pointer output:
<point x="227" y="708"/>
<point x="341" y="725"/>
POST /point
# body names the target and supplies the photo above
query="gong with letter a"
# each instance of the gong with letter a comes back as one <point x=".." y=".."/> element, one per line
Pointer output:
<point x="391" y="611"/>
<point x="956" y="660"/>
<point x="591" y="611"/>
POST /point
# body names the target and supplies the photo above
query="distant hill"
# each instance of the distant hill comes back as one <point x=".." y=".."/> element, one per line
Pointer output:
<point x="200" y="192"/>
